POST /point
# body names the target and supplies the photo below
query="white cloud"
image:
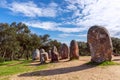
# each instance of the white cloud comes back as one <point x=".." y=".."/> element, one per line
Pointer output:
<point x="30" y="9"/>
<point x="64" y="35"/>
<point x="53" y="26"/>
<point x="97" y="12"/>
<point x="72" y="7"/>
<point x="43" y="25"/>
<point x="69" y="30"/>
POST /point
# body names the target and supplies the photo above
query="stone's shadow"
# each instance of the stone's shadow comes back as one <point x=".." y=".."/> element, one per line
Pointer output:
<point x="116" y="60"/>
<point x="57" y="71"/>
<point x="38" y="64"/>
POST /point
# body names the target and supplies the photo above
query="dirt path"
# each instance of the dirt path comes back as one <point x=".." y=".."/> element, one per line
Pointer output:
<point x="73" y="70"/>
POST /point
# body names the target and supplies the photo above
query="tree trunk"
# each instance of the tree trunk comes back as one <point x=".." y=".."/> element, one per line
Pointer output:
<point x="27" y="55"/>
<point x="11" y="56"/>
<point x="4" y="54"/>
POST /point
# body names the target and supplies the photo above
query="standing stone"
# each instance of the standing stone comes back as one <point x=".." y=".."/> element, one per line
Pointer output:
<point x="36" y="54"/>
<point x="64" y="51"/>
<point x="100" y="44"/>
<point x="43" y="56"/>
<point x="74" y="50"/>
<point x="49" y="54"/>
<point x="54" y="54"/>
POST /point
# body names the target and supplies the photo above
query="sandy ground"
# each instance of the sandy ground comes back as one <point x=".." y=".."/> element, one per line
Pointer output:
<point x="73" y="70"/>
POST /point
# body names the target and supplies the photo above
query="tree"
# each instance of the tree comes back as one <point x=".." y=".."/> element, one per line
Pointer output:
<point x="54" y="43"/>
<point x="16" y="41"/>
<point x="116" y="45"/>
<point x="23" y="36"/>
<point x="9" y="45"/>
<point x="83" y="49"/>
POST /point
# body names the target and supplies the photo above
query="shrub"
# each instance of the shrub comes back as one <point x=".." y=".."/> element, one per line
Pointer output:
<point x="2" y="60"/>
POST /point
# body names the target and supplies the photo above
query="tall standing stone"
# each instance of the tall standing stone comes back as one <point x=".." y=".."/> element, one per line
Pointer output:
<point x="54" y="54"/>
<point x="100" y="44"/>
<point x="36" y="54"/>
<point x="64" y="51"/>
<point x="74" y="50"/>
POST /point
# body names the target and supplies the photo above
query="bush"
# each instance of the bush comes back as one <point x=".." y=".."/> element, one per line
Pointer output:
<point x="2" y="60"/>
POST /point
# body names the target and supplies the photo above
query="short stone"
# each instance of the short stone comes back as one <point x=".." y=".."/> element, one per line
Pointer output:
<point x="36" y="54"/>
<point x="43" y="56"/>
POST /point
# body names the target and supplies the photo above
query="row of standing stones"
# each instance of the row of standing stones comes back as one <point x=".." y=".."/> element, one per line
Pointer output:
<point x="99" y="42"/>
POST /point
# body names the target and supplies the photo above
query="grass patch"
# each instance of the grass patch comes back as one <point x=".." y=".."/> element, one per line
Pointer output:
<point x="105" y="63"/>
<point x="15" y="67"/>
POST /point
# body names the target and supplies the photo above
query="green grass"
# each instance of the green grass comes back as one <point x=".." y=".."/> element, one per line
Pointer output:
<point x="105" y="63"/>
<point x="14" y="67"/>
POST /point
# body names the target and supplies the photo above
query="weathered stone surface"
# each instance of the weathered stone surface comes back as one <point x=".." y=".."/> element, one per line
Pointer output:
<point x="64" y="51"/>
<point x="43" y="56"/>
<point x="49" y="54"/>
<point x="100" y="44"/>
<point x="36" y="54"/>
<point x="74" y="50"/>
<point x="54" y="54"/>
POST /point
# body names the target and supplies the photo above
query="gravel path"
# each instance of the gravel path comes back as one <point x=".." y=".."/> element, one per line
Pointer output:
<point x="73" y="70"/>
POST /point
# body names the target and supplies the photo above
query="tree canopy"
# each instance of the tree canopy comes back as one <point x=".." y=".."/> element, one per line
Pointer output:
<point x="17" y="41"/>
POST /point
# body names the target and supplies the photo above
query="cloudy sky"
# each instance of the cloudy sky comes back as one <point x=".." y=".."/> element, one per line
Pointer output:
<point x="63" y="20"/>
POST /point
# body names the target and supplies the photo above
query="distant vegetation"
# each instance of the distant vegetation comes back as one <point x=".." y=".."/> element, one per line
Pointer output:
<point x="84" y="49"/>
<point x="116" y="45"/>
<point x="16" y="41"/>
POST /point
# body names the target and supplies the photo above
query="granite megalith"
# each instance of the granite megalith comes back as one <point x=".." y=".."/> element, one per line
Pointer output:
<point x="54" y="54"/>
<point x="74" y="50"/>
<point x="100" y="44"/>
<point x="49" y="54"/>
<point x="43" y="56"/>
<point x="36" y="54"/>
<point x="64" y="51"/>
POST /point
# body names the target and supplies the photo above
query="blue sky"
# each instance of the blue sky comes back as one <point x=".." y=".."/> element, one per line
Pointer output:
<point x="63" y="20"/>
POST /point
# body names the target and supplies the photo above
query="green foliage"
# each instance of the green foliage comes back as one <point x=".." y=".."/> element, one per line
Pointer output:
<point x="16" y="41"/>
<point x="2" y="60"/>
<point x="83" y="49"/>
<point x="105" y="63"/>
<point x="116" y="45"/>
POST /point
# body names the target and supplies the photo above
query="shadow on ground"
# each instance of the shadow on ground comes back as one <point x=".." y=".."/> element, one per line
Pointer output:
<point x="116" y="60"/>
<point x="57" y="71"/>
